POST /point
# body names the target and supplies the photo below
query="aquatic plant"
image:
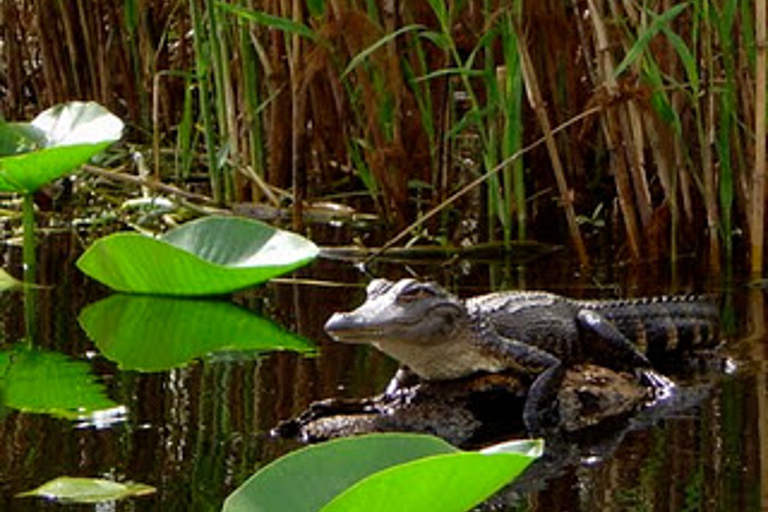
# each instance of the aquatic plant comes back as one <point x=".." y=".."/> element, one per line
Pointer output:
<point x="52" y="145"/>
<point x="160" y="333"/>
<point x="382" y="472"/>
<point x="209" y="256"/>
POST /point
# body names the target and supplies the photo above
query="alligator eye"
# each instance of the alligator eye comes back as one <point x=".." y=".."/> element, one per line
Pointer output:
<point x="378" y="287"/>
<point x="414" y="293"/>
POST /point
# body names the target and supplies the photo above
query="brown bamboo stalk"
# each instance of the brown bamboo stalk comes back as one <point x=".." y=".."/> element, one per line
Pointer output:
<point x="610" y="126"/>
<point x="298" y="120"/>
<point x="757" y="227"/>
<point x="408" y="230"/>
<point x="633" y="135"/>
<point x="71" y="47"/>
<point x="87" y="16"/>
<point x="634" y="143"/>
<point x="537" y="103"/>
<point x="708" y="164"/>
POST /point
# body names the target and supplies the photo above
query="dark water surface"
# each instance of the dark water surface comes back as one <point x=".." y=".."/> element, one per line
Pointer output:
<point x="197" y="432"/>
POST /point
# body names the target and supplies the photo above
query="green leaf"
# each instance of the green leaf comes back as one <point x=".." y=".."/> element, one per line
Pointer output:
<point x="647" y="35"/>
<point x="455" y="482"/>
<point x="316" y="8"/>
<point x="360" y="57"/>
<point x="268" y="20"/>
<point x="87" y="490"/>
<point x="381" y="472"/>
<point x="38" y="381"/>
<point x="158" y="333"/>
<point x="67" y="135"/>
<point x="308" y="478"/>
<point x="209" y="256"/>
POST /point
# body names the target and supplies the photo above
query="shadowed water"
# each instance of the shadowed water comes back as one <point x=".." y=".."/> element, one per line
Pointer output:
<point x="196" y="431"/>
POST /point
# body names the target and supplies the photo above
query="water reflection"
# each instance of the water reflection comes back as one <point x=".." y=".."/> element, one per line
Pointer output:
<point x="200" y="429"/>
<point x="154" y="334"/>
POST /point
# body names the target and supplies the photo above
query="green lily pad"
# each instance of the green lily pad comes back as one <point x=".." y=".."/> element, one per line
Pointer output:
<point x="54" y="144"/>
<point x="152" y="334"/>
<point x="381" y="472"/>
<point x="39" y="381"/>
<point x="209" y="256"/>
<point x="87" y="490"/>
<point x="454" y="482"/>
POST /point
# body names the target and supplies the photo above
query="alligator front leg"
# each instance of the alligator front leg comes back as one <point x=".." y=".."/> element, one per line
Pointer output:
<point x="547" y="372"/>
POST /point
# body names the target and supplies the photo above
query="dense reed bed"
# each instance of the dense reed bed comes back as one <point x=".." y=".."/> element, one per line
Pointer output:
<point x="475" y="119"/>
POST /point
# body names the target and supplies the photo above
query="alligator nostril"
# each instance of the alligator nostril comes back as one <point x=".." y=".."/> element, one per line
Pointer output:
<point x="335" y="323"/>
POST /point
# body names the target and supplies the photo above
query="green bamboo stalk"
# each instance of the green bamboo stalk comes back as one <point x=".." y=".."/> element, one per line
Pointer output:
<point x="226" y="112"/>
<point x="202" y="61"/>
<point x="512" y="137"/>
<point x="251" y="88"/>
<point x="185" y="134"/>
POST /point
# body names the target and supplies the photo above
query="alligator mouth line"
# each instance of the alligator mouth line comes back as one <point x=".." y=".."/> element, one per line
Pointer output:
<point x="354" y="334"/>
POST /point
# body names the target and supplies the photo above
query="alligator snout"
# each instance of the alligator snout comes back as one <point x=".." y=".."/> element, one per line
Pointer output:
<point x="344" y="328"/>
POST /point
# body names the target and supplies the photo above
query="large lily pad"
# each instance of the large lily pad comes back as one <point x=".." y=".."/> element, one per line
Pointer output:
<point x="54" y="144"/>
<point x="381" y="472"/>
<point x="209" y="256"/>
<point x="153" y="334"/>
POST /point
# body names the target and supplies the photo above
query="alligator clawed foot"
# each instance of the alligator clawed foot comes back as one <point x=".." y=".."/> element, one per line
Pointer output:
<point x="662" y="387"/>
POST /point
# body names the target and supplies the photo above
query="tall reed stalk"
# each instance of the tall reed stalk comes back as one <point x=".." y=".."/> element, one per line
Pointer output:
<point x="758" y="177"/>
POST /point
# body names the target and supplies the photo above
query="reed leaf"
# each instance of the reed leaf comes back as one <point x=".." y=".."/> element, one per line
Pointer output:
<point x="268" y="20"/>
<point x="380" y="43"/>
<point x="638" y="49"/>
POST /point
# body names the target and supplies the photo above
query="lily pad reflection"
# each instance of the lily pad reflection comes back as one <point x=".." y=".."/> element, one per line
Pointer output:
<point x="39" y="381"/>
<point x="87" y="490"/>
<point x="152" y="334"/>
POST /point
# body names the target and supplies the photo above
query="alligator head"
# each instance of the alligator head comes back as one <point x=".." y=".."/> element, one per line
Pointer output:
<point x="419" y="324"/>
<point x="405" y="311"/>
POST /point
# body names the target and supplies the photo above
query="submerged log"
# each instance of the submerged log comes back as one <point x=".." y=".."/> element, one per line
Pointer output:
<point x="472" y="411"/>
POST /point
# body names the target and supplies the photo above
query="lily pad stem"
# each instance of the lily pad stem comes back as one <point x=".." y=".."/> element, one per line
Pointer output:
<point x="30" y="264"/>
<point x="29" y="247"/>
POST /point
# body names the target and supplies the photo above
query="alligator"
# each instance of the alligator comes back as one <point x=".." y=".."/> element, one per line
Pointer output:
<point x="533" y="334"/>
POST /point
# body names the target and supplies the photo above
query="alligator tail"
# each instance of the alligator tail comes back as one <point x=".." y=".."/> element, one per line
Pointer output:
<point x="663" y="325"/>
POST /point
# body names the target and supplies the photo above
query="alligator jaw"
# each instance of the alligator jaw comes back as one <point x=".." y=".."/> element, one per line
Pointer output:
<point x="352" y="328"/>
<point x="344" y="329"/>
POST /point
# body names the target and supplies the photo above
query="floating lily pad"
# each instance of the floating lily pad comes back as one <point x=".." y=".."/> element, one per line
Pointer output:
<point x="153" y="334"/>
<point x="87" y="490"/>
<point x="54" y="144"/>
<point x="381" y="472"/>
<point x="209" y="256"/>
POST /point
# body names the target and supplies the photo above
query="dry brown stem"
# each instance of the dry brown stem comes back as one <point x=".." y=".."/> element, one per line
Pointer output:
<point x="537" y="103"/>
<point x="758" y="173"/>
